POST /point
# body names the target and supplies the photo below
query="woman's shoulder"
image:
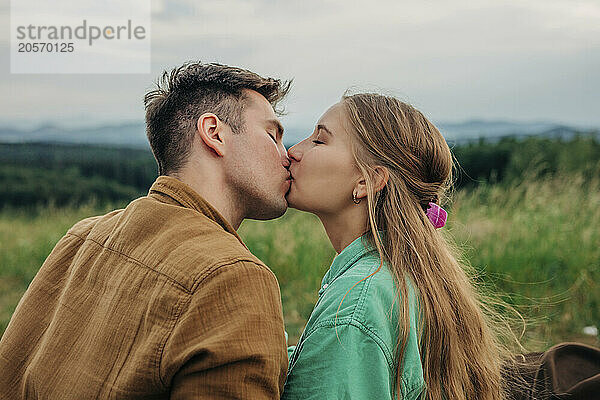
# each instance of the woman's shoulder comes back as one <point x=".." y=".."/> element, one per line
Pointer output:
<point x="366" y="295"/>
<point x="341" y="297"/>
<point x="380" y="303"/>
<point x="363" y="302"/>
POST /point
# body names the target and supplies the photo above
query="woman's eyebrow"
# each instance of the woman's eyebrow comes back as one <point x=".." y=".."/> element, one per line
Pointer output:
<point x="323" y="127"/>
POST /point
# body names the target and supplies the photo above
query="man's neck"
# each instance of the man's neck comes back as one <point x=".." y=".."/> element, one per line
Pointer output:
<point x="217" y="194"/>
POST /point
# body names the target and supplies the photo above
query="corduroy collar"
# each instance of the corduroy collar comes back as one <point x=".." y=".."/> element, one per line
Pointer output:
<point x="173" y="191"/>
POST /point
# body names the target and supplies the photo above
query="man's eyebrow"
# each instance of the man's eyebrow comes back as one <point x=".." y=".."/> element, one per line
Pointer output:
<point x="277" y="125"/>
<point x="321" y="126"/>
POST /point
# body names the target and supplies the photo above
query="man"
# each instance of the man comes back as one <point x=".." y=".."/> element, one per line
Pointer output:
<point x="162" y="299"/>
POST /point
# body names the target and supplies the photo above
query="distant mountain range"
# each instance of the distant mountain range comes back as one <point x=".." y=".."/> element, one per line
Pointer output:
<point x="123" y="135"/>
<point x="133" y="134"/>
<point x="495" y="130"/>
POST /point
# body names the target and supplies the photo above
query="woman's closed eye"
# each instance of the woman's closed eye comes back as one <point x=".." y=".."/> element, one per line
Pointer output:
<point x="317" y="136"/>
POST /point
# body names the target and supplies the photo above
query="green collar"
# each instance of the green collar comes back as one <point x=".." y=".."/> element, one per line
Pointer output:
<point x="347" y="257"/>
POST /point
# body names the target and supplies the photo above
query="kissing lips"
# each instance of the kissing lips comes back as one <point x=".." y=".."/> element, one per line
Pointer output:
<point x="289" y="181"/>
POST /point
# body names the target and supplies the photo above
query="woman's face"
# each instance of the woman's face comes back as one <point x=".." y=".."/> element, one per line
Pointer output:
<point x="322" y="167"/>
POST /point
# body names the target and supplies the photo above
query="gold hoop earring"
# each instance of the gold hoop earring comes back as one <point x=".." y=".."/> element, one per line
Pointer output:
<point x="354" y="199"/>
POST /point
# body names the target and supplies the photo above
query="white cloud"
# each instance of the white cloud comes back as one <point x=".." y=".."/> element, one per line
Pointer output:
<point x="532" y="59"/>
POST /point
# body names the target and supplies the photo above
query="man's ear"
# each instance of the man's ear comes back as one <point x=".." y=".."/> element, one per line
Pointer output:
<point x="210" y="129"/>
<point x="381" y="177"/>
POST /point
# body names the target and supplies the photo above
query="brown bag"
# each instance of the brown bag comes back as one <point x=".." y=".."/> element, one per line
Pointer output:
<point x="565" y="371"/>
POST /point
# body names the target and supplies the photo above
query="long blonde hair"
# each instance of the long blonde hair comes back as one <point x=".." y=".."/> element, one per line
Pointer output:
<point x="462" y="335"/>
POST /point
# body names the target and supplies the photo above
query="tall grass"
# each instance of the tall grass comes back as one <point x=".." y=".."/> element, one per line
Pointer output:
<point x="536" y="241"/>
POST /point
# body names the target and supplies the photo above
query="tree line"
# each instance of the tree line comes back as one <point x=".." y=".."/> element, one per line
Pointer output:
<point x="34" y="174"/>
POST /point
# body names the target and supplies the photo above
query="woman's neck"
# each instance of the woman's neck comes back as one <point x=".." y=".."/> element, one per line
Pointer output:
<point x="345" y="227"/>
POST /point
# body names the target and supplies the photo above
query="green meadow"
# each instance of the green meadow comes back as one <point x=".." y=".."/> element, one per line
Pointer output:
<point x="535" y="242"/>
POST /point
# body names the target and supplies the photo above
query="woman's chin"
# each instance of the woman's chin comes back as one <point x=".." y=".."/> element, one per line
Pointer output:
<point x="293" y="200"/>
<point x="298" y="205"/>
<point x="296" y="200"/>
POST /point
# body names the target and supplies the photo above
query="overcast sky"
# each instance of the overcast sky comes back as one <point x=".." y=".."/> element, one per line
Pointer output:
<point x="454" y="60"/>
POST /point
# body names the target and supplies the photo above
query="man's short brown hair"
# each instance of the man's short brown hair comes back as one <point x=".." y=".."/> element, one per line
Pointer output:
<point x="195" y="88"/>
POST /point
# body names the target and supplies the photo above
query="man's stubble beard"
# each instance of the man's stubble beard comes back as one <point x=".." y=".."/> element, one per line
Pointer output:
<point x="258" y="204"/>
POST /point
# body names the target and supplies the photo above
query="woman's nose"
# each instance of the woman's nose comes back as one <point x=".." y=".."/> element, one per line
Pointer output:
<point x="294" y="152"/>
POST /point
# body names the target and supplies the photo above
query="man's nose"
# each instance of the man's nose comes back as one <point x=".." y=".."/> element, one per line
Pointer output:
<point x="285" y="159"/>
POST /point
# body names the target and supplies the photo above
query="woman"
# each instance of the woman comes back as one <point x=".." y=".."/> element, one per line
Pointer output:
<point x="397" y="317"/>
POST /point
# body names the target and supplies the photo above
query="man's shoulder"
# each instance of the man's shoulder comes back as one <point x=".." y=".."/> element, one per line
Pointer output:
<point x="83" y="228"/>
<point x="182" y="241"/>
<point x="175" y="241"/>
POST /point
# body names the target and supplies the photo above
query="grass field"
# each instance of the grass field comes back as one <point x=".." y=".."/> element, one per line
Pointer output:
<point x="535" y="242"/>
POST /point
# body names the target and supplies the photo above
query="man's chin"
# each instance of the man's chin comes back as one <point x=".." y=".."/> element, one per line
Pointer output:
<point x="271" y="211"/>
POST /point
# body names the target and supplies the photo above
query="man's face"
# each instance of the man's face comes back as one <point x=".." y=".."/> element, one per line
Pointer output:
<point x="257" y="166"/>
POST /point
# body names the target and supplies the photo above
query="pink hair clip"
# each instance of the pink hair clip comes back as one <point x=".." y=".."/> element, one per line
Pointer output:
<point x="437" y="215"/>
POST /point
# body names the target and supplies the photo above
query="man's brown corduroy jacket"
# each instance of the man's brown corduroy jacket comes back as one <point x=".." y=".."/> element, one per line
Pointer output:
<point x="159" y="300"/>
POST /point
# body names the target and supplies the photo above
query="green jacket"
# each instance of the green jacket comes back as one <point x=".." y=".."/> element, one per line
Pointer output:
<point x="349" y="353"/>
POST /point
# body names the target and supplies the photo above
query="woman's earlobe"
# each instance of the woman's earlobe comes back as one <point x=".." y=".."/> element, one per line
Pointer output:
<point x="360" y="190"/>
